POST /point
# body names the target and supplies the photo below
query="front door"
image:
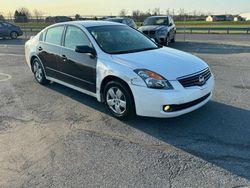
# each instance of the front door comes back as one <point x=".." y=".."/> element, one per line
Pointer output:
<point x="79" y="69"/>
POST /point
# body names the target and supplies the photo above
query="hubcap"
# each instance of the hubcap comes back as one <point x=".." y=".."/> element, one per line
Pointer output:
<point x="14" y="35"/>
<point x="116" y="100"/>
<point x="38" y="71"/>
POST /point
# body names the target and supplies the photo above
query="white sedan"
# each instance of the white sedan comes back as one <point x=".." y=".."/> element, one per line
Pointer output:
<point x="121" y="67"/>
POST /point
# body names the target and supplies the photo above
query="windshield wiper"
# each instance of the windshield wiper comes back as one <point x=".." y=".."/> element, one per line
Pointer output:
<point x="133" y="51"/>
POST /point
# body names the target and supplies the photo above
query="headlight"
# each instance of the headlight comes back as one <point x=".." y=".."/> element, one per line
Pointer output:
<point x="162" y="32"/>
<point x="153" y="80"/>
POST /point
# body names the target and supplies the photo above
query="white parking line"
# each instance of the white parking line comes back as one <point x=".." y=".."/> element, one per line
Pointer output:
<point x="6" y="54"/>
<point x="4" y="77"/>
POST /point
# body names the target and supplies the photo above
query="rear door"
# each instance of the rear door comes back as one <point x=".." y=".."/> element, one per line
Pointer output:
<point x="49" y="50"/>
<point x="79" y="69"/>
<point x="3" y="30"/>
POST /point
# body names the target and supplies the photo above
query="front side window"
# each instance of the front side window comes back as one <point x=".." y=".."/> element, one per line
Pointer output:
<point x="121" y="39"/>
<point x="156" y="21"/>
<point x="54" y="35"/>
<point x="75" y="37"/>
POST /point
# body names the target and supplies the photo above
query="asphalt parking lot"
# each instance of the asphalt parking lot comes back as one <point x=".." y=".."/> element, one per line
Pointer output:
<point x="57" y="137"/>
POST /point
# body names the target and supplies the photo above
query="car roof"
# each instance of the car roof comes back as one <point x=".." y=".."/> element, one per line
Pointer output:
<point x="159" y="16"/>
<point x="117" y="18"/>
<point x="90" y="23"/>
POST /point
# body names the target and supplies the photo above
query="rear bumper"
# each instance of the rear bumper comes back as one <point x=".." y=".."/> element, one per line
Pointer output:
<point x="150" y="102"/>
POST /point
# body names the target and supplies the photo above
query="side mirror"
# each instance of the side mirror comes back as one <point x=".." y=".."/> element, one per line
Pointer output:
<point x="170" y="24"/>
<point x="85" y="50"/>
<point x="153" y="40"/>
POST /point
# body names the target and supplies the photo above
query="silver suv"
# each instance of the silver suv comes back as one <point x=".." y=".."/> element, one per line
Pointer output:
<point x="160" y="28"/>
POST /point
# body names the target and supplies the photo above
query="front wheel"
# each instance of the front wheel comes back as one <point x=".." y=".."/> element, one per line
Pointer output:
<point x="13" y="35"/>
<point x="173" y="39"/>
<point x="39" y="72"/>
<point x="167" y="40"/>
<point x="119" y="100"/>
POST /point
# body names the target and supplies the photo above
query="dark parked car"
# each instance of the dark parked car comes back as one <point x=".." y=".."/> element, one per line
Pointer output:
<point x="9" y="30"/>
<point x="58" y="19"/>
<point x="127" y="21"/>
<point x="160" y="28"/>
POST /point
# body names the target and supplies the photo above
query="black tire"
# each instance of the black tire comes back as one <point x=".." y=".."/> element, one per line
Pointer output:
<point x="13" y="35"/>
<point x="173" y="39"/>
<point x="129" y="111"/>
<point x="167" y="40"/>
<point x="38" y="71"/>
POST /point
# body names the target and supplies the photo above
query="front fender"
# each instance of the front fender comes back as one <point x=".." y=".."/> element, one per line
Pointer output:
<point x="108" y="67"/>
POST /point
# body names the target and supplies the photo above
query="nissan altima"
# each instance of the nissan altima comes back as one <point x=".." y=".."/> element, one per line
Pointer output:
<point x="121" y="67"/>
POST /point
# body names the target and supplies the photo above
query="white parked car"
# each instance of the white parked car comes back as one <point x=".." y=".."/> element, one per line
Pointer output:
<point x="121" y="67"/>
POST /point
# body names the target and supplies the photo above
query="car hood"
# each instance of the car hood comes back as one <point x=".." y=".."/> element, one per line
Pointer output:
<point x="152" y="28"/>
<point x="167" y="62"/>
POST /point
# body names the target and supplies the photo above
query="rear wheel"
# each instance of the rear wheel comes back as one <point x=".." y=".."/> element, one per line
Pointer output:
<point x="13" y="35"/>
<point x="39" y="72"/>
<point x="119" y="100"/>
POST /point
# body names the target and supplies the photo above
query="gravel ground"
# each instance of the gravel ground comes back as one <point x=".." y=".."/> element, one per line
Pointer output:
<point x="56" y="137"/>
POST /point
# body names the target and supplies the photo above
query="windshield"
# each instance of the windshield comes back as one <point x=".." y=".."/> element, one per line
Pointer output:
<point x="121" y="39"/>
<point x="156" y="21"/>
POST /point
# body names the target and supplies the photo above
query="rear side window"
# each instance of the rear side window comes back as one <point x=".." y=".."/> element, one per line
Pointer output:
<point x="7" y="24"/>
<point x="54" y="35"/>
<point x="75" y="37"/>
<point x="41" y="37"/>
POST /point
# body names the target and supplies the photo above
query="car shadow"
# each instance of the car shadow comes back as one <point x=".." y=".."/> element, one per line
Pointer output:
<point x="209" y="48"/>
<point x="216" y="133"/>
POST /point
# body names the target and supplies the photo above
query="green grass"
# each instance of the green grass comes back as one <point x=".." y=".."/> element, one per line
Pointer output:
<point x="33" y="24"/>
<point x="178" y="24"/>
<point x="212" y="24"/>
<point x="209" y="24"/>
<point x="201" y="24"/>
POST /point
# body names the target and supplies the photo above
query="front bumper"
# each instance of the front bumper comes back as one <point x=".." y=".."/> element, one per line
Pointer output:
<point x="150" y="102"/>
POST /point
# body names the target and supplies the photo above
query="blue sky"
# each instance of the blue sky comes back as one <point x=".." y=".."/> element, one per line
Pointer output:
<point x="108" y="7"/>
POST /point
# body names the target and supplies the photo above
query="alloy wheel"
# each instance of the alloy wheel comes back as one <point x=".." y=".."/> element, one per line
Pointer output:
<point x="116" y="100"/>
<point x="38" y="71"/>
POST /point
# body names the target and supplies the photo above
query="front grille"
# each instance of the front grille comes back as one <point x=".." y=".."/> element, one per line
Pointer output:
<point x="149" y="32"/>
<point x="174" y="108"/>
<point x="197" y="79"/>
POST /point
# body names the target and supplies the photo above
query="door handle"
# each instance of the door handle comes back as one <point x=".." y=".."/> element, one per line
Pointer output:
<point x="64" y="58"/>
<point x="40" y="48"/>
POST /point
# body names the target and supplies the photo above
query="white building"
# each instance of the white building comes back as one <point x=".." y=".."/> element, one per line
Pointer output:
<point x="217" y="18"/>
<point x="245" y="16"/>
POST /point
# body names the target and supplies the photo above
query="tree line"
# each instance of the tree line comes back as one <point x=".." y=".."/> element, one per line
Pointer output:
<point x="24" y="15"/>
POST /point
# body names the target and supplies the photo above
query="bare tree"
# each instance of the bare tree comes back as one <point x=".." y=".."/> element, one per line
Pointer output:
<point x="156" y="11"/>
<point x="123" y="13"/>
<point x="1" y="17"/>
<point x="38" y="14"/>
<point x="136" y="14"/>
<point x="25" y="12"/>
<point x="168" y="12"/>
<point x="9" y="16"/>
<point x="77" y="17"/>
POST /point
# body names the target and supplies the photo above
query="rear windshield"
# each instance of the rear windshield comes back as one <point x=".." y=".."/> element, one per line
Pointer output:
<point x="115" y="20"/>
